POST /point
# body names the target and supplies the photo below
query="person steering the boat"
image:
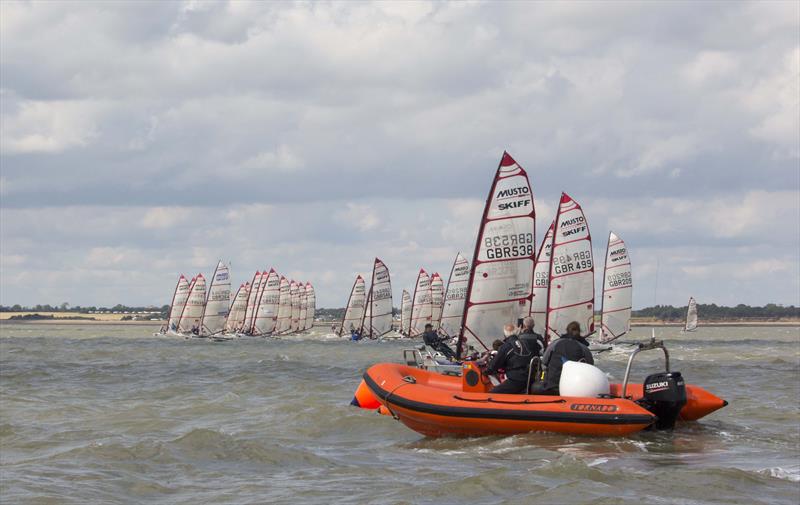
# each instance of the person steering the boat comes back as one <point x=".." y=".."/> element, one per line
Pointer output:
<point x="514" y="356"/>
<point x="437" y="343"/>
<point x="570" y="347"/>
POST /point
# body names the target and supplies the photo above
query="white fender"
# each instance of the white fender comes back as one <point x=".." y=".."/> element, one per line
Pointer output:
<point x="582" y="379"/>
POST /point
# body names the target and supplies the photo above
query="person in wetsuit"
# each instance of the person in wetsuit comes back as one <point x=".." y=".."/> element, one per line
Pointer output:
<point x="514" y="356"/>
<point x="433" y="340"/>
<point x="570" y="347"/>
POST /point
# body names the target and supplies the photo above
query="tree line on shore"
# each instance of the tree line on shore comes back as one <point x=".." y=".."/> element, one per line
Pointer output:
<point x="708" y="312"/>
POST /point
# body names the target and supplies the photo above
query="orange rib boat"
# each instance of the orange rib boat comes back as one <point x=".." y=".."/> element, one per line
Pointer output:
<point x="443" y="405"/>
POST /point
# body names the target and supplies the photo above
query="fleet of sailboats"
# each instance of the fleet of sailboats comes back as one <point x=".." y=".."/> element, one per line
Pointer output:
<point x="507" y="279"/>
<point x="263" y="307"/>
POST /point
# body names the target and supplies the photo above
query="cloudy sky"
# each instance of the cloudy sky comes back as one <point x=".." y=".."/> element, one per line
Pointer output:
<point x="141" y="140"/>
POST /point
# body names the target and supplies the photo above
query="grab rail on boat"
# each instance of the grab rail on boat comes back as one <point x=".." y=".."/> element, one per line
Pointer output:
<point x="653" y="344"/>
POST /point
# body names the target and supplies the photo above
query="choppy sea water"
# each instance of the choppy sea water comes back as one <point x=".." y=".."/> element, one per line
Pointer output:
<point x="111" y="414"/>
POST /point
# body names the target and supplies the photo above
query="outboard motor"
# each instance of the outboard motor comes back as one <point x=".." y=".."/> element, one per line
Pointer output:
<point x="664" y="396"/>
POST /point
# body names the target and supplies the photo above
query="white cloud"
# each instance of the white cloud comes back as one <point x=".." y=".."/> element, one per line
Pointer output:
<point x="49" y="127"/>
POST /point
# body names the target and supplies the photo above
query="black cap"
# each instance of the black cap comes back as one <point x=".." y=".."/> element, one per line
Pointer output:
<point x="429" y="325"/>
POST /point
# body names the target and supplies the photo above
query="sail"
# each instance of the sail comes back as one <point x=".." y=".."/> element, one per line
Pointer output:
<point x="301" y="323"/>
<point x="378" y="312"/>
<point x="252" y="301"/>
<point x="421" y="309"/>
<point x="500" y="281"/>
<point x="691" y="316"/>
<point x="437" y="299"/>
<point x="193" y="312"/>
<point x="541" y="276"/>
<point x="405" y="313"/>
<point x="267" y="312"/>
<point x="284" y="307"/>
<point x="617" y="291"/>
<point x="354" y="310"/>
<point x="455" y="295"/>
<point x="571" y="290"/>
<point x="363" y="328"/>
<point x="178" y="302"/>
<point x="311" y="306"/>
<point x="236" y="315"/>
<point x="218" y="301"/>
<point x="294" y="293"/>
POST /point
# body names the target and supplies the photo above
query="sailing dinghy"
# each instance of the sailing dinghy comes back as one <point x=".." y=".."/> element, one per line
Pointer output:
<point x="454" y="298"/>
<point x="215" y="311"/>
<point x="541" y="282"/>
<point x="179" y="298"/>
<point x="500" y="281"/>
<point x="233" y="324"/>
<point x="421" y="309"/>
<point x="405" y="313"/>
<point x="189" y="323"/>
<point x="311" y="306"/>
<point x="354" y="310"/>
<point x="284" y="322"/>
<point x="301" y="323"/>
<point x="691" y="316"/>
<point x="377" y="320"/>
<point x="267" y="309"/>
<point x="252" y="302"/>
<point x="617" y="291"/>
<point x="571" y="288"/>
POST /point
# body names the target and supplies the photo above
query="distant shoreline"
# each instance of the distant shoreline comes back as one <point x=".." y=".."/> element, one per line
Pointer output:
<point x="115" y="319"/>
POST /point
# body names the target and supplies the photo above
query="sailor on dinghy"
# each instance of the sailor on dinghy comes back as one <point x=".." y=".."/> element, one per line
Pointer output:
<point x="433" y="340"/>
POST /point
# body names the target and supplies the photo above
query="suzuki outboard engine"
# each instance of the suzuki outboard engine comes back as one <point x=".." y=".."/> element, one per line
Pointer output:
<point x="664" y="396"/>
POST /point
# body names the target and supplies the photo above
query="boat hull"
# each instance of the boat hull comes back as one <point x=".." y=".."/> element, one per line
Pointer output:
<point x="436" y="405"/>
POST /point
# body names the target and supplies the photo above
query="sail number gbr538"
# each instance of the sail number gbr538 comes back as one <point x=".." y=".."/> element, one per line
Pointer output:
<point x="518" y="245"/>
<point x="566" y="263"/>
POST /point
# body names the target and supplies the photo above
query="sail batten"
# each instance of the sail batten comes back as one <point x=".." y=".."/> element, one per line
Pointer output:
<point x="499" y="290"/>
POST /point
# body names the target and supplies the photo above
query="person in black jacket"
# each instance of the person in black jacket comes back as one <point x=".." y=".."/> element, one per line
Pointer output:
<point x="570" y="347"/>
<point x="433" y="340"/>
<point x="514" y="356"/>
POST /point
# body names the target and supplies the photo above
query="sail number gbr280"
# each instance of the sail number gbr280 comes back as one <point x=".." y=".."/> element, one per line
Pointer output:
<point x="518" y="245"/>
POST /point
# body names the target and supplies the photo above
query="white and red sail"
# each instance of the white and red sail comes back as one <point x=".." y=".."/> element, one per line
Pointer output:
<point x="294" y="297"/>
<point x="301" y="323"/>
<point x="311" y="306"/>
<point x="421" y="308"/>
<point x="354" y="311"/>
<point x="238" y="308"/>
<point x="405" y="313"/>
<point x="571" y="290"/>
<point x="252" y="301"/>
<point x="377" y="319"/>
<point x="691" y="316"/>
<point x="454" y="298"/>
<point x="437" y="300"/>
<point x="266" y="316"/>
<point x="195" y="303"/>
<point x="218" y="302"/>
<point x="178" y="302"/>
<point x="284" y="307"/>
<point x="541" y="281"/>
<point x="501" y="279"/>
<point x="617" y="291"/>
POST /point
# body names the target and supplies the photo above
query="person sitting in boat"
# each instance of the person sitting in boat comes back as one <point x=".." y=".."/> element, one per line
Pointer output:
<point x="570" y="347"/>
<point x="532" y="339"/>
<point x="489" y="355"/>
<point x="514" y="356"/>
<point x="355" y="335"/>
<point x="437" y="343"/>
